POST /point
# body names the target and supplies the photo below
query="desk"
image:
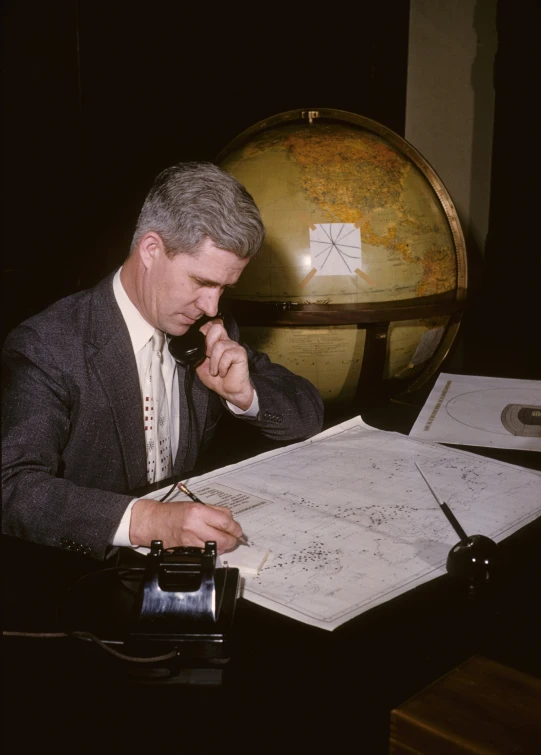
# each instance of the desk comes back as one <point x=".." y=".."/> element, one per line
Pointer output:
<point x="479" y="707"/>
<point x="288" y="685"/>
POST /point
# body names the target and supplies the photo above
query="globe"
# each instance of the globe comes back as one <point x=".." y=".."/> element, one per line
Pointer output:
<point x="362" y="280"/>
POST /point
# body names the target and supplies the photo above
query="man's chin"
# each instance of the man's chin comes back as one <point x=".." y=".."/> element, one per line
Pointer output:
<point x="177" y="329"/>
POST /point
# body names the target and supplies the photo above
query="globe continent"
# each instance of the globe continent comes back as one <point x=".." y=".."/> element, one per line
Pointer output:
<point x="351" y="218"/>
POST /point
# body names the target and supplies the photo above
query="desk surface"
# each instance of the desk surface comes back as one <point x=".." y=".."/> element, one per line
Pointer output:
<point x="285" y="679"/>
<point x="479" y="707"/>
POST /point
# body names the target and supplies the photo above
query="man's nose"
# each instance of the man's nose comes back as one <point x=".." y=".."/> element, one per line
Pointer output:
<point x="208" y="302"/>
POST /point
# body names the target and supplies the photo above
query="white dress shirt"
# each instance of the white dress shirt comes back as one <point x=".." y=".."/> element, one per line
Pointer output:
<point x="141" y="334"/>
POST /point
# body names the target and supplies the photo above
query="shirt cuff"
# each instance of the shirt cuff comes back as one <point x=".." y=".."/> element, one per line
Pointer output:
<point x="252" y="411"/>
<point x="122" y="535"/>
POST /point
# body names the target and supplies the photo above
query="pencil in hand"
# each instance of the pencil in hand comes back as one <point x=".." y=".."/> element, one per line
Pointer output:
<point x="189" y="493"/>
<point x="181" y="486"/>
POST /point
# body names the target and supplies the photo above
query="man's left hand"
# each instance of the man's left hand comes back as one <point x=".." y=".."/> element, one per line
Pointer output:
<point x="226" y="369"/>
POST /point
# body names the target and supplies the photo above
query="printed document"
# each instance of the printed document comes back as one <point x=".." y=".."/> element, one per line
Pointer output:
<point x="470" y="410"/>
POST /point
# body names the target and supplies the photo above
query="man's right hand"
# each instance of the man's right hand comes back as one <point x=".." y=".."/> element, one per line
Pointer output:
<point x="183" y="524"/>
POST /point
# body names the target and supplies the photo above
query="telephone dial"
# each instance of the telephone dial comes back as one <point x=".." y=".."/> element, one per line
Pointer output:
<point x="189" y="349"/>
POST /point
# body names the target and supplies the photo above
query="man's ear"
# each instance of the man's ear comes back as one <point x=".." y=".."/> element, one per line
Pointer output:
<point x="151" y="247"/>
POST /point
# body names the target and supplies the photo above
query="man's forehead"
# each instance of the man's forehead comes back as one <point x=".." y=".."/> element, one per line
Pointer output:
<point x="214" y="266"/>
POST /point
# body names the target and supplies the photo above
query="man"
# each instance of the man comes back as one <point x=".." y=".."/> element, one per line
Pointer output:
<point x="75" y="409"/>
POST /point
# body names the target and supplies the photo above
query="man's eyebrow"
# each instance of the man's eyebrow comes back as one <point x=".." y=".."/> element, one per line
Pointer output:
<point x="208" y="282"/>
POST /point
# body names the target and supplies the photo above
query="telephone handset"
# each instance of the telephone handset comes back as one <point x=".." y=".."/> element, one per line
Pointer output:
<point x="189" y="349"/>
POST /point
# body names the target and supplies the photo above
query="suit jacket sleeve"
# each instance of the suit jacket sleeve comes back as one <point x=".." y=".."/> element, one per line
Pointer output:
<point x="39" y="500"/>
<point x="290" y="407"/>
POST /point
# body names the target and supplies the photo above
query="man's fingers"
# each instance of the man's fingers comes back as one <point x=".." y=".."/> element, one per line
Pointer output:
<point x="219" y="345"/>
<point x="223" y="520"/>
<point x="183" y="524"/>
<point x="224" y="541"/>
<point x="214" y="523"/>
<point x="214" y="331"/>
<point x="223" y="355"/>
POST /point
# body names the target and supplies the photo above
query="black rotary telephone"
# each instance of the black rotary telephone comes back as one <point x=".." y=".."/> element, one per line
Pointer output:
<point x="189" y="349"/>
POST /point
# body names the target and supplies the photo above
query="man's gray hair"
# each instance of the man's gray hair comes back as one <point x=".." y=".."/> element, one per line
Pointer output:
<point x="194" y="201"/>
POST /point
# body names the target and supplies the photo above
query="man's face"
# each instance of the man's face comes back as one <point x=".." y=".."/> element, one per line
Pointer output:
<point x="177" y="291"/>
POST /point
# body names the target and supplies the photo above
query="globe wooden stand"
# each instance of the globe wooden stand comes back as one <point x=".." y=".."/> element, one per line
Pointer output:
<point x="375" y="318"/>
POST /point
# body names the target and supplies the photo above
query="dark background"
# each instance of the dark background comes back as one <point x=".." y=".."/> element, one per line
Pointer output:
<point x="100" y="96"/>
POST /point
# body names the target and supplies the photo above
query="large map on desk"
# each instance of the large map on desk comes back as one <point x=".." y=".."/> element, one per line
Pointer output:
<point x="350" y="522"/>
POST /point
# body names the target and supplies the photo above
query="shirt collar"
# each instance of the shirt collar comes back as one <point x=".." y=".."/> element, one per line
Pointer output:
<point x="139" y="329"/>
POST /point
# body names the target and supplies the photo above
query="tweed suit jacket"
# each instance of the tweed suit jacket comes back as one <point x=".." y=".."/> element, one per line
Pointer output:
<point x="72" y="421"/>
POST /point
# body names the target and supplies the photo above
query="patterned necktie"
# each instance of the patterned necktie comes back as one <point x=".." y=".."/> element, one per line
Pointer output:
<point x="156" y="415"/>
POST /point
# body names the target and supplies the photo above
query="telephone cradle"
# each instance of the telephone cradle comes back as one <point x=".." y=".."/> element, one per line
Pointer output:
<point x="185" y="603"/>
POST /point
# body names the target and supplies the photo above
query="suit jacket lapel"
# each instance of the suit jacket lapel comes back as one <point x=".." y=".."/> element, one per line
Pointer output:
<point x="114" y="362"/>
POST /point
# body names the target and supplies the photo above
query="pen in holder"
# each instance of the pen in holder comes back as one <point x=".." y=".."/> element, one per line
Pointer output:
<point x="475" y="560"/>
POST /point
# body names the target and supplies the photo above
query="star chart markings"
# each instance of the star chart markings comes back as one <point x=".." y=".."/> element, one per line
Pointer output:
<point x="402" y="539"/>
<point x="458" y="405"/>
